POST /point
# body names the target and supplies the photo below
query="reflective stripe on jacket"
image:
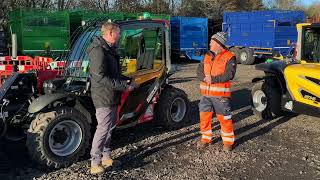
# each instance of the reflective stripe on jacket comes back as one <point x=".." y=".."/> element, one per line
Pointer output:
<point x="214" y="67"/>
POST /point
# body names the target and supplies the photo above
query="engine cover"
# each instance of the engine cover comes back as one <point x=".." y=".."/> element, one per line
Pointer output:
<point x="303" y="83"/>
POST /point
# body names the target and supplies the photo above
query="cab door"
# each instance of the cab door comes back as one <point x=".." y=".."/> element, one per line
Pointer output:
<point x="142" y="54"/>
<point x="303" y="80"/>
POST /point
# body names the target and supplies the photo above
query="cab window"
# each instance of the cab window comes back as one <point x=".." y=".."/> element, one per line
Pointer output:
<point x="140" y="49"/>
<point x="311" y="45"/>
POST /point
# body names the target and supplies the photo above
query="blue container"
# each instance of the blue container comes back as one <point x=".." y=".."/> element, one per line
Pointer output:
<point x="262" y="31"/>
<point x="189" y="37"/>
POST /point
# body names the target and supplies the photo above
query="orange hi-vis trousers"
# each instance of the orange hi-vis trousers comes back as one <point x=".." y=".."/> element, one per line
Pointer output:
<point x="221" y="106"/>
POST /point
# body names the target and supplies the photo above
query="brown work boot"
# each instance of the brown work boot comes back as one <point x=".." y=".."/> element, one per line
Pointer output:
<point x="108" y="162"/>
<point x="201" y="144"/>
<point x="227" y="148"/>
<point x="96" y="170"/>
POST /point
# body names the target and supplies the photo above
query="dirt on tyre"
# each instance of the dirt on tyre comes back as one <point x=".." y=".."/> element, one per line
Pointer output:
<point x="246" y="56"/>
<point x="236" y="52"/>
<point x="172" y="108"/>
<point x="58" y="138"/>
<point x="266" y="102"/>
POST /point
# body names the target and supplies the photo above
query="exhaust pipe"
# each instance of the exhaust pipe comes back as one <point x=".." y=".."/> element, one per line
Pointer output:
<point x="14" y="46"/>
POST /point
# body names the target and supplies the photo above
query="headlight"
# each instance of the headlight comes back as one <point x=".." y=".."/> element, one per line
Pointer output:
<point x="45" y="84"/>
<point x="50" y="85"/>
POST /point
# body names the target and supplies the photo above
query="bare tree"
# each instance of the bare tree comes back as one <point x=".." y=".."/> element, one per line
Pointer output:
<point x="256" y="4"/>
<point x="6" y="7"/>
<point x="284" y="4"/>
<point x="97" y="5"/>
<point x="37" y="3"/>
<point x="65" y="4"/>
<point x="132" y="6"/>
<point x="191" y="8"/>
<point x="156" y="6"/>
<point x="214" y="9"/>
<point x="313" y="10"/>
<point x="103" y="5"/>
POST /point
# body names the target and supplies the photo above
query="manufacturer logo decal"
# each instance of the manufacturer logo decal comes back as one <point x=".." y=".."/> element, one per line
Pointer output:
<point x="309" y="96"/>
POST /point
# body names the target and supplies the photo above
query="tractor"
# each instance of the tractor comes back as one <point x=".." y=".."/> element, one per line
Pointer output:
<point x="291" y="86"/>
<point x="59" y="124"/>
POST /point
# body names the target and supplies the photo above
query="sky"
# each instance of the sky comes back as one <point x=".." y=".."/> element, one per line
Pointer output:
<point x="308" y="2"/>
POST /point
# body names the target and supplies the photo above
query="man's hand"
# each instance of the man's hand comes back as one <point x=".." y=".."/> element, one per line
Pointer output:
<point x="130" y="88"/>
<point x="207" y="79"/>
<point x="134" y="83"/>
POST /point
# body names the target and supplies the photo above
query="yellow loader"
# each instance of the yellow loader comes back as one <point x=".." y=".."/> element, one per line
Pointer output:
<point x="292" y="85"/>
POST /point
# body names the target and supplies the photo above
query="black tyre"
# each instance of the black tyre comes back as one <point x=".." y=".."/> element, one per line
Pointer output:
<point x="246" y="56"/>
<point x="58" y="138"/>
<point x="172" y="108"/>
<point x="236" y="52"/>
<point x="266" y="100"/>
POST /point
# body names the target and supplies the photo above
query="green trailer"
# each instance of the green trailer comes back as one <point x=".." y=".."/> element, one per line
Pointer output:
<point x="40" y="31"/>
<point x="44" y="32"/>
<point x="80" y="17"/>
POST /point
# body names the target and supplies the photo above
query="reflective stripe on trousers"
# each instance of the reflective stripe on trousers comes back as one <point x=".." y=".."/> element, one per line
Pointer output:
<point x="205" y="127"/>
<point x="207" y="107"/>
<point x="227" y="133"/>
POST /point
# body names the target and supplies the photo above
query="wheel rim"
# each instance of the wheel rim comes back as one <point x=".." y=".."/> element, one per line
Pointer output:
<point x="259" y="100"/>
<point x="65" y="138"/>
<point x="243" y="56"/>
<point x="178" y="109"/>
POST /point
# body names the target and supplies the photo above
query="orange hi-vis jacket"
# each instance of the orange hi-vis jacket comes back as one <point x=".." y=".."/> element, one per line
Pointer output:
<point x="215" y="67"/>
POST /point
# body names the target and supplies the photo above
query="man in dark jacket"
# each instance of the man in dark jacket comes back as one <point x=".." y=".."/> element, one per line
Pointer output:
<point x="106" y="88"/>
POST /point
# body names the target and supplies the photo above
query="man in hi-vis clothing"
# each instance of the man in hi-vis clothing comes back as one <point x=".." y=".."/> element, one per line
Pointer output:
<point x="215" y="73"/>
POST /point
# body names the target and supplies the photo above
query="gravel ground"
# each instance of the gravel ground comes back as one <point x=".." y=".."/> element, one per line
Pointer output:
<point x="284" y="148"/>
